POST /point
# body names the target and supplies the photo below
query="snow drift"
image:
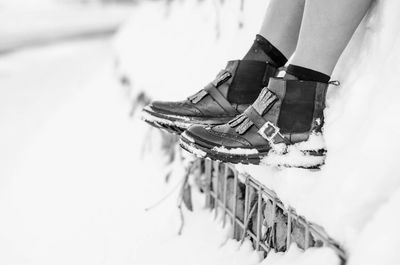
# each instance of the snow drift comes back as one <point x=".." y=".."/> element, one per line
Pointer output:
<point x="171" y="49"/>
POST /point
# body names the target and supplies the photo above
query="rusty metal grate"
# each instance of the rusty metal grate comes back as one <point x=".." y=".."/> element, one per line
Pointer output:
<point x="255" y="212"/>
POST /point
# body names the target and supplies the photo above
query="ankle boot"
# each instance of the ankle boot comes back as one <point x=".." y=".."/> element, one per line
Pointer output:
<point x="286" y="114"/>
<point x="210" y="106"/>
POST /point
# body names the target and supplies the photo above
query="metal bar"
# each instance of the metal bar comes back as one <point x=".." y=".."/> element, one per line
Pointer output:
<point x="207" y="165"/>
<point x="240" y="224"/>
<point x="216" y="170"/>
<point x="289" y="229"/>
<point x="225" y="184"/>
<point x="306" y="237"/>
<point x="246" y="201"/>
<point x="251" y="235"/>
<point x="273" y="236"/>
<point x="265" y="248"/>
<point x="259" y="215"/>
<point x="235" y="198"/>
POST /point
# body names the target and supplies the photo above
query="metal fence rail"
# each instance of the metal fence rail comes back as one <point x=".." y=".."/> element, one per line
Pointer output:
<point x="255" y="212"/>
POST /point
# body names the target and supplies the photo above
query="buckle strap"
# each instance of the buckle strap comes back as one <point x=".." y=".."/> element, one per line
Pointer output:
<point x="221" y="78"/>
<point x="220" y="99"/>
<point x="211" y="89"/>
<point x="253" y="115"/>
<point x="198" y="96"/>
<point x="271" y="133"/>
<point x="266" y="129"/>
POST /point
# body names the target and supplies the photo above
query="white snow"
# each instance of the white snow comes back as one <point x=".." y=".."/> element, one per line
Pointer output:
<point x="225" y="150"/>
<point x="354" y="193"/>
<point x="77" y="173"/>
<point x="297" y="155"/>
<point x="82" y="172"/>
<point x="147" y="117"/>
<point x="316" y="141"/>
<point x="37" y="22"/>
<point x="293" y="158"/>
<point x="298" y="257"/>
<point x="197" y="152"/>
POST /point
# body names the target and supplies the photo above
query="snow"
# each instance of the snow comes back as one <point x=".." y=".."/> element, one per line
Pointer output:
<point x="296" y="256"/>
<point x="42" y="21"/>
<point x="79" y="185"/>
<point x="195" y="151"/>
<point x="26" y="108"/>
<point x="181" y="122"/>
<point x="353" y="196"/>
<point x="225" y="150"/>
<point x="293" y="158"/>
<point x="78" y="172"/>
<point x="75" y="182"/>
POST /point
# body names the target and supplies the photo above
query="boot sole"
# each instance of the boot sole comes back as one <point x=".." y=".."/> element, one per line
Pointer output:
<point x="253" y="159"/>
<point x="177" y="124"/>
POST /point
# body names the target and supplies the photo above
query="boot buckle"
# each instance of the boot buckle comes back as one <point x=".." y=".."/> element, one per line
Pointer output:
<point x="268" y="131"/>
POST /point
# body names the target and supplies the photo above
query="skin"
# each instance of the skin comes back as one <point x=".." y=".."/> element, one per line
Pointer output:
<point x="326" y="29"/>
<point x="281" y="25"/>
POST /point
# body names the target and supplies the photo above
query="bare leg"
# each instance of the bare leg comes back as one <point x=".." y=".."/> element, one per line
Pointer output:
<point x="325" y="31"/>
<point x="281" y="24"/>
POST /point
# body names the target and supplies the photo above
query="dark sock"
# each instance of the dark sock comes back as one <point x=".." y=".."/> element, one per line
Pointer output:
<point x="305" y="74"/>
<point x="263" y="50"/>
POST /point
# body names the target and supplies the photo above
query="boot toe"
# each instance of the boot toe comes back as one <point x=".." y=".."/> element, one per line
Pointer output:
<point x="174" y="108"/>
<point x="217" y="136"/>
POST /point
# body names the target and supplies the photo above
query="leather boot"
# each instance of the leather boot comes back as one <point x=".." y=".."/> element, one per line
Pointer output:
<point x="209" y="106"/>
<point x="286" y="114"/>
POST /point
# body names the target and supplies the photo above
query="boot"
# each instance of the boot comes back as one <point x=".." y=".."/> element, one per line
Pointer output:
<point x="211" y="106"/>
<point x="286" y="114"/>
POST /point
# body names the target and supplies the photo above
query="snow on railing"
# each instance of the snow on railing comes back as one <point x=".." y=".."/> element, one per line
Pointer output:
<point x="255" y="212"/>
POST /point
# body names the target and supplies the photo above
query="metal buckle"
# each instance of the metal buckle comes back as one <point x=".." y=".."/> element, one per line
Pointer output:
<point x="268" y="131"/>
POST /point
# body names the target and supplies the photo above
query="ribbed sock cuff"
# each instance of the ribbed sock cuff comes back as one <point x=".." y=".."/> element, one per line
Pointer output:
<point x="307" y="74"/>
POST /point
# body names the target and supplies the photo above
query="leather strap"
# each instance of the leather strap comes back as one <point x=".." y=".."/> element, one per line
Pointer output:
<point x="220" y="99"/>
<point x="266" y="129"/>
<point x="211" y="89"/>
<point x="254" y="117"/>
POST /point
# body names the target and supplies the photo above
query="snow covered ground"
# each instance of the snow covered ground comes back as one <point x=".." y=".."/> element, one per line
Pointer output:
<point x="77" y="173"/>
<point x="356" y="194"/>
<point x="73" y="183"/>
<point x="38" y="22"/>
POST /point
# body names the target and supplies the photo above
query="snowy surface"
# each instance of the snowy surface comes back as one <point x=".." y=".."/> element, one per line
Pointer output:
<point x="75" y="187"/>
<point x="34" y="22"/>
<point x="355" y="195"/>
<point x="78" y="173"/>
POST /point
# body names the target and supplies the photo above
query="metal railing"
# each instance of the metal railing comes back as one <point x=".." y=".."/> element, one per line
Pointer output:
<point x="256" y="212"/>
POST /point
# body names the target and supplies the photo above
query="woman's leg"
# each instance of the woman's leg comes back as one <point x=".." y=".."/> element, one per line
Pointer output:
<point x="326" y="29"/>
<point x="281" y="27"/>
<point x="291" y="110"/>
<point x="274" y="44"/>
<point x="241" y="82"/>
